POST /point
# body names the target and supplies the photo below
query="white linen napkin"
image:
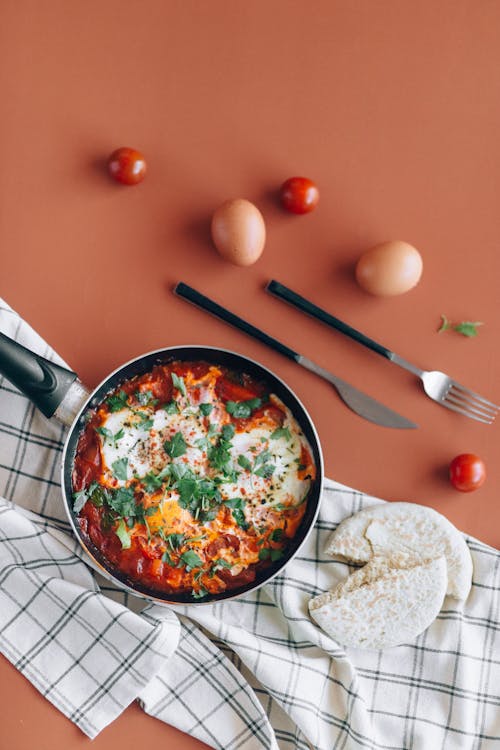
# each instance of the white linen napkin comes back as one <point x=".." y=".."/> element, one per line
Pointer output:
<point x="246" y="674"/>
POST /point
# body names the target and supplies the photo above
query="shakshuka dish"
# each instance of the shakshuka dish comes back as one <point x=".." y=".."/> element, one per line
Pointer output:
<point x="191" y="479"/>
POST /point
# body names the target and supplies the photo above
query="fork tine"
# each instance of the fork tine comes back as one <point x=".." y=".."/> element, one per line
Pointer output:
<point x="470" y="402"/>
<point x="469" y="408"/>
<point x="465" y="412"/>
<point x="475" y="396"/>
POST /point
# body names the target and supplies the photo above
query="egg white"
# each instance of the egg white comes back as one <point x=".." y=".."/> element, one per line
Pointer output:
<point x="144" y="451"/>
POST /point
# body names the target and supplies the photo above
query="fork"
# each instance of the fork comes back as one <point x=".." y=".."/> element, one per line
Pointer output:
<point x="437" y="385"/>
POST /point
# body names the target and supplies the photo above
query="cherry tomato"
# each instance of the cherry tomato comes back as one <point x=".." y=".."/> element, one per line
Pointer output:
<point x="127" y="166"/>
<point x="299" y="195"/>
<point x="467" y="472"/>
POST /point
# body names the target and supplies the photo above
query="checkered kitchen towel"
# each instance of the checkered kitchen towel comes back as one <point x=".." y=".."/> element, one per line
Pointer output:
<point x="248" y="674"/>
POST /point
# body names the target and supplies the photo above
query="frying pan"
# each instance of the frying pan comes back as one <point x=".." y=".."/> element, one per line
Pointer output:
<point x="58" y="393"/>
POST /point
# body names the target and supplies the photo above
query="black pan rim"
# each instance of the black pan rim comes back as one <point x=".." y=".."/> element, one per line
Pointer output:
<point x="143" y="363"/>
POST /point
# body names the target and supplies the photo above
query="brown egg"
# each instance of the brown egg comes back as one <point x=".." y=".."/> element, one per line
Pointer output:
<point x="389" y="268"/>
<point x="239" y="232"/>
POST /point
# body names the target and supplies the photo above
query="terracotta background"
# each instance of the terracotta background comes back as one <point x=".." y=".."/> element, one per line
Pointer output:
<point x="392" y="107"/>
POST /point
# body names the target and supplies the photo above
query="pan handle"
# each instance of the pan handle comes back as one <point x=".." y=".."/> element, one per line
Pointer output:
<point x="43" y="382"/>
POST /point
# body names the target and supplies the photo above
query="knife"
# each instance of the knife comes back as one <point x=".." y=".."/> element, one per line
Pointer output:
<point x="364" y="405"/>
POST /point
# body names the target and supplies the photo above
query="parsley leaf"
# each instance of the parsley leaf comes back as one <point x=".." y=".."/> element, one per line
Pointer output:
<point x="191" y="560"/>
<point x="145" y="421"/>
<point x="281" y="432"/>
<point x="200" y="593"/>
<point x="237" y="505"/>
<point x="167" y="559"/>
<point x="276" y="554"/>
<point x="219" y="564"/>
<point x="466" y="327"/>
<point x="145" y="398"/>
<point x="206" y="409"/>
<point x="171" y="407"/>
<point x="175" y="541"/>
<point x="175" y="447"/>
<point x="79" y="500"/>
<point x="264" y="553"/>
<point x="235" y="502"/>
<point x="179" y="383"/>
<point x="219" y="454"/>
<point x="242" y="409"/>
<point x="122" y="501"/>
<point x="152" y="481"/>
<point x="244" y="462"/>
<point x="117" y="401"/>
<point x="123" y="535"/>
<point x="276" y="535"/>
<point x="240" y="519"/>
<point x="120" y="468"/>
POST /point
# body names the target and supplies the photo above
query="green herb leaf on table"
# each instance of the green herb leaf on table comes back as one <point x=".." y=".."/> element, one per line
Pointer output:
<point x="466" y="327"/>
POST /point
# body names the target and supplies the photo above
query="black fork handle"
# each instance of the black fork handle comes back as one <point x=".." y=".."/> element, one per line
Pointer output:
<point x="281" y="291"/>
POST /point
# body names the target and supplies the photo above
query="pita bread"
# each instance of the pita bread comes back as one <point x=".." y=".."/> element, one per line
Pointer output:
<point x="398" y="529"/>
<point x="382" y="605"/>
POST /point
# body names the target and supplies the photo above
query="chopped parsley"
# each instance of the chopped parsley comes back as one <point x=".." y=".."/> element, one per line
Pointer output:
<point x="276" y="535"/>
<point x="120" y="467"/>
<point x="108" y="435"/>
<point x="191" y="560"/>
<point x="152" y="481"/>
<point x="123" y="534"/>
<point x="175" y="541"/>
<point x="117" y="401"/>
<point x="171" y="407"/>
<point x="122" y="501"/>
<point x="199" y="495"/>
<point x="146" y="398"/>
<point x="145" y="421"/>
<point x="219" y="564"/>
<point x="237" y="505"/>
<point x="244" y="462"/>
<point x="200" y="593"/>
<point x="206" y="409"/>
<point x="94" y="492"/>
<point x="175" y="447"/>
<point x="281" y="432"/>
<point x="219" y="455"/>
<point x="242" y="409"/>
<point x="179" y="383"/>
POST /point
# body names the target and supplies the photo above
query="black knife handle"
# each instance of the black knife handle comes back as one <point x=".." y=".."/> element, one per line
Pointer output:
<point x="190" y="294"/>
<point x="281" y="291"/>
<point x="42" y="381"/>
